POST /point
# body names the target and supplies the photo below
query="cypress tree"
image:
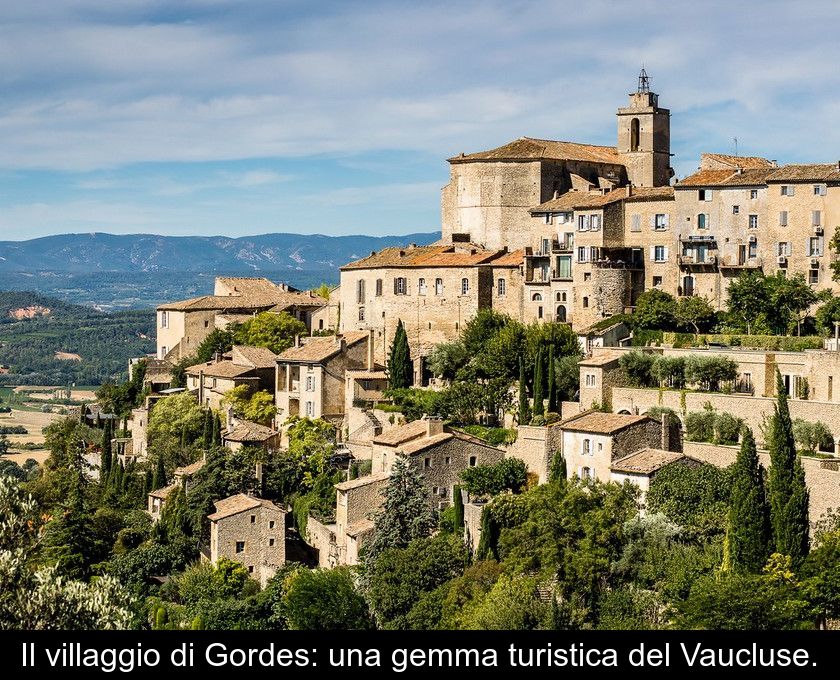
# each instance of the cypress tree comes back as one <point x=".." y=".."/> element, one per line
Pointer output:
<point x="207" y="434"/>
<point x="539" y="395"/>
<point x="148" y="485"/>
<point x="458" y="504"/>
<point x="183" y="438"/>
<point x="105" y="459"/>
<point x="487" y="541"/>
<point x="558" y="468"/>
<point x="117" y="479"/>
<point x="552" y="386"/>
<point x="159" y="477"/>
<point x="217" y="430"/>
<point x="524" y="406"/>
<point x="747" y="529"/>
<point x="788" y="495"/>
<point x="400" y="371"/>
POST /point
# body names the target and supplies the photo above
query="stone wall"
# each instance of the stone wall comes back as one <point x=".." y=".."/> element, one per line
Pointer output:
<point x="322" y="537"/>
<point x="472" y="524"/>
<point x="536" y="447"/>
<point x="821" y="476"/>
<point x="261" y="559"/>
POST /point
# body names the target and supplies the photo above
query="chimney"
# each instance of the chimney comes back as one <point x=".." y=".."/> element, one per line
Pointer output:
<point x="229" y="418"/>
<point x="201" y="388"/>
<point x="434" y="425"/>
<point x="297" y="340"/>
<point x="370" y="362"/>
<point x="629" y="192"/>
<point x="556" y="194"/>
<point x="665" y="440"/>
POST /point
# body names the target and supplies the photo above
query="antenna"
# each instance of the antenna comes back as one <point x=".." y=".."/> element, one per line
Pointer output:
<point x="644" y="81"/>
<point x="735" y="139"/>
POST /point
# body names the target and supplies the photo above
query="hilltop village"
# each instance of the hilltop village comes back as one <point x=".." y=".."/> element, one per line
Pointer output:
<point x="583" y="379"/>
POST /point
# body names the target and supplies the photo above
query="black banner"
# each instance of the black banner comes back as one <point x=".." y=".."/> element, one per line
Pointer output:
<point x="400" y="654"/>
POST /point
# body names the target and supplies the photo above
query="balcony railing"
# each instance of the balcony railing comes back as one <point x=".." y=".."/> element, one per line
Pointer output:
<point x="562" y="246"/>
<point x="694" y="261"/>
<point x="616" y="264"/>
<point x="731" y="262"/>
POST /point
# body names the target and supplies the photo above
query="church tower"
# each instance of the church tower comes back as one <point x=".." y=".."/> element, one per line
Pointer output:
<point x="644" y="137"/>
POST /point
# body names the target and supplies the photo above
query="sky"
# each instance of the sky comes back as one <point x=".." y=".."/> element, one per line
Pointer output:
<point x="241" y="117"/>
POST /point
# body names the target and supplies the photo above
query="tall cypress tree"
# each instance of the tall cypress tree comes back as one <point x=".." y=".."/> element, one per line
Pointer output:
<point x="207" y="434"/>
<point x="524" y="406"/>
<point x="747" y="528"/>
<point x="539" y="395"/>
<point x="788" y="495"/>
<point x="159" y="477"/>
<point x="217" y="430"/>
<point x="105" y="459"/>
<point x="458" y="504"/>
<point x="552" y="382"/>
<point x="400" y="371"/>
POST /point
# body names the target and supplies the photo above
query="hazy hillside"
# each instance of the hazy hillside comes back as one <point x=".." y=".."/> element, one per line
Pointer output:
<point x="86" y="253"/>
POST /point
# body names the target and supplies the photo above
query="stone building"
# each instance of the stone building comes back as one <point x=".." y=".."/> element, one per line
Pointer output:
<point x="244" y="433"/>
<point x="594" y="440"/>
<point x="310" y="376"/>
<point x="641" y="467"/>
<point x="251" y="366"/>
<point x="251" y="531"/>
<point x="182" y="326"/>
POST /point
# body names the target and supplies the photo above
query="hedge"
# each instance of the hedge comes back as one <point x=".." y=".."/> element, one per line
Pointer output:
<point x="779" y="343"/>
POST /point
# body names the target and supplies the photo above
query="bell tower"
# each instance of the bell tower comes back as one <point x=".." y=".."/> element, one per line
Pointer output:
<point x="644" y="137"/>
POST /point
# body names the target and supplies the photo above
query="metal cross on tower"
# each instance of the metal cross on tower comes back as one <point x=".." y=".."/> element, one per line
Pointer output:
<point x="644" y="81"/>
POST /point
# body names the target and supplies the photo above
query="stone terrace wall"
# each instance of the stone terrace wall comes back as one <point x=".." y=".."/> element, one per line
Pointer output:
<point x="821" y="476"/>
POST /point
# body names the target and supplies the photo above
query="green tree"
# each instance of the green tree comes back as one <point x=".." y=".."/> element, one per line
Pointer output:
<point x="105" y="457"/>
<point x="171" y="415"/>
<point x="539" y="394"/>
<point x="748" y="299"/>
<point x="694" y="312"/>
<point x="552" y="382"/>
<point x="790" y="296"/>
<point x="788" y="494"/>
<point x="747" y="525"/>
<point x="400" y="370"/>
<point x="273" y="331"/>
<point x="511" y="604"/>
<point x="829" y="314"/>
<point x="447" y="358"/>
<point x="405" y="514"/>
<point x="489" y="480"/>
<point x="524" y="406"/>
<point x="257" y="407"/>
<point x="218" y="342"/>
<point x="834" y="244"/>
<point x="324" y="599"/>
<point x="812" y="437"/>
<point x="821" y="577"/>
<point x="655" y="309"/>
<point x="638" y="366"/>
<point x="458" y="504"/>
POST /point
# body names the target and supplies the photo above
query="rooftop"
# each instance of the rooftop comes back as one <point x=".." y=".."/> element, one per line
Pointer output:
<point x="319" y="349"/>
<point x="220" y="369"/>
<point x="233" y="505"/>
<point x="743" y="162"/>
<point x="646" y="461"/>
<point x="246" y="431"/>
<point x="359" y="482"/>
<point x="256" y="357"/>
<point x="531" y="149"/>
<point x="599" y="422"/>
<point x="402" y="434"/>
<point x="439" y="255"/>
<point x="191" y="469"/>
<point x="601" y="358"/>
<point x="814" y="172"/>
<point x="590" y="200"/>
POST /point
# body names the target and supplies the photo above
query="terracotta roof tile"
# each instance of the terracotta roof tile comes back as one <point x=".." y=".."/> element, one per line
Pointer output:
<point x="704" y="178"/>
<point x="233" y="505"/>
<point x="246" y="431"/>
<point x="602" y="423"/>
<point x="601" y="358"/>
<point x="421" y="444"/>
<point x="375" y="478"/>
<point x="815" y="172"/>
<point x="257" y="357"/>
<point x="191" y="469"/>
<point x="646" y="461"/>
<point x="511" y="259"/>
<point x="319" y="349"/>
<point x="743" y="162"/>
<point x="530" y="149"/>
<point x="444" y="255"/>
<point x="402" y="434"/>
<point x="220" y="369"/>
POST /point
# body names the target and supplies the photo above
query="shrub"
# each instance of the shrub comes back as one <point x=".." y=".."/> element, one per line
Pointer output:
<point x="710" y="371"/>
<point x="489" y="480"/>
<point x="496" y="436"/>
<point x="638" y="366"/>
<point x="812" y="437"/>
<point x="727" y="428"/>
<point x="700" y="426"/>
<point x="670" y="371"/>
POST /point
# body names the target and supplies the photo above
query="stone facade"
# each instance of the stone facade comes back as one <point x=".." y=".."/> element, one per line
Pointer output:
<point x="250" y="531"/>
<point x="536" y="447"/>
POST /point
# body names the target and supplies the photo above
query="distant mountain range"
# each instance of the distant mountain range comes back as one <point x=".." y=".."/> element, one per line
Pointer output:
<point x="97" y="252"/>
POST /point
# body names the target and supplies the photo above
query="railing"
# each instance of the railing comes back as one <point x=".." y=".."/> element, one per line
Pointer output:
<point x="562" y="247"/>
<point x="616" y="264"/>
<point x="736" y="263"/>
<point x="692" y="261"/>
<point x="556" y="276"/>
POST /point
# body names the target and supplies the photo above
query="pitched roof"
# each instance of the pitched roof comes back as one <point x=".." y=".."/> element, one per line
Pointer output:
<point x="257" y="357"/>
<point x="531" y="149"/>
<point x="319" y="349"/>
<point x="441" y="255"/>
<point x="296" y="299"/>
<point x="422" y="443"/>
<point x="704" y="178"/>
<point x="511" y="259"/>
<point x="360" y="528"/>
<point x="367" y="374"/>
<point x="599" y="422"/>
<point x="237" y="293"/>
<point x="727" y="178"/>
<point x="247" y="286"/>
<point x="403" y="433"/>
<point x="814" y="172"/>
<point x="590" y="200"/>
<point x="246" y="431"/>
<point x="164" y="492"/>
<point x="601" y="358"/>
<point x="646" y="461"/>
<point x="233" y="505"/>
<point x="743" y="162"/>
<point x="375" y="478"/>
<point x="191" y="469"/>
<point x="220" y="369"/>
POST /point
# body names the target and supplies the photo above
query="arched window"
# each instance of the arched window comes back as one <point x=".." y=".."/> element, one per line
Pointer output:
<point x="536" y="297"/>
<point x="465" y="286"/>
<point x="561" y="313"/>
<point x="438" y="286"/>
<point x="634" y="134"/>
<point x="585" y="302"/>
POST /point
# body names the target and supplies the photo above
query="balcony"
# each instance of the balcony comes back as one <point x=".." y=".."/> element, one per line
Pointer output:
<point x="558" y="276"/>
<point x="617" y="264"/>
<point x="695" y="262"/>
<point x="734" y="262"/>
<point x="562" y="246"/>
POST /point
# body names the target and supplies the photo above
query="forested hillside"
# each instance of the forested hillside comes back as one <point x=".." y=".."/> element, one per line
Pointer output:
<point x="44" y="341"/>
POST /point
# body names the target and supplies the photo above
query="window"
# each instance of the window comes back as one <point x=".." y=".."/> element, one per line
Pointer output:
<point x="545" y="249"/>
<point x="207" y="324"/>
<point x="378" y="287"/>
<point x="465" y="286"/>
<point x="214" y="383"/>
<point x="561" y="296"/>
<point x="634" y="134"/>
<point x="271" y="524"/>
<point x="703" y="221"/>
<point x="473" y="461"/>
<point x="448" y="460"/>
<point x="587" y="447"/>
<point x="251" y="569"/>
<point x="590" y="380"/>
<point x="360" y="291"/>
<point x="813" y="276"/>
<point x="502" y="287"/>
<point x="753" y="223"/>
<point x="753" y="250"/>
<point x="548" y="218"/>
<point x="660" y="253"/>
<point x="310" y="409"/>
<point x="636" y="223"/>
<point x="361" y="313"/>
<point x="583" y="225"/>
<point x="816" y="216"/>
<point x="736" y="209"/>
<point x="536" y="297"/>
<point x="253" y="519"/>
<point x="787" y="190"/>
<point x="587" y="276"/>
<point x="164" y="319"/>
<point x="585" y="302"/>
<point x="660" y="222"/>
<point x="594" y="222"/>
<point x="240" y="546"/>
<point x="784" y="249"/>
<point x="705" y="194"/>
<point x="783" y="218"/>
<point x="310" y="383"/>
<point x="582" y="254"/>
<point x="399" y="286"/>
<point x="585" y="473"/>
<point x="540" y="312"/>
<point x="270" y="542"/>
<point x="421" y="286"/>
<point x="438" y="287"/>
<point x="427" y="463"/>
<point x="815" y="246"/>
<point x="753" y="194"/>
<point x="561" y="314"/>
<point x="819" y="190"/>
<point x="657" y="281"/>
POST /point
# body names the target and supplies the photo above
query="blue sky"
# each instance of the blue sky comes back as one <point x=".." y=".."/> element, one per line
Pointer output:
<point x="244" y="117"/>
